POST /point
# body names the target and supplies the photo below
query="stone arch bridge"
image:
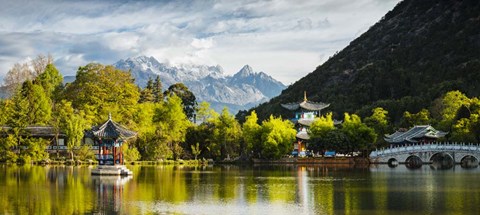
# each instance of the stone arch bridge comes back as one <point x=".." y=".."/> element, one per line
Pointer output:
<point x="442" y="154"/>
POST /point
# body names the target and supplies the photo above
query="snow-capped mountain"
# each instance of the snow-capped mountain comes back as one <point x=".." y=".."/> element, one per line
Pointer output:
<point x="241" y="91"/>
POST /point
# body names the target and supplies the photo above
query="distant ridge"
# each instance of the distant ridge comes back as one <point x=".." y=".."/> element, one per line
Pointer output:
<point x="416" y="53"/>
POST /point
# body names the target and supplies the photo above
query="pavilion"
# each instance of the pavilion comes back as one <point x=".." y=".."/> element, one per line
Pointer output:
<point x="109" y="137"/>
<point x="305" y="113"/>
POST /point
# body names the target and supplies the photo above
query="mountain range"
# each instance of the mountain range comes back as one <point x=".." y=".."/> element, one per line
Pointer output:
<point x="242" y="91"/>
<point x="418" y="51"/>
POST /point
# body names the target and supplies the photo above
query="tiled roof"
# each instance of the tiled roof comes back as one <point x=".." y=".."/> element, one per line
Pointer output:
<point x="111" y="130"/>
<point x="415" y="133"/>
<point x="36" y="131"/>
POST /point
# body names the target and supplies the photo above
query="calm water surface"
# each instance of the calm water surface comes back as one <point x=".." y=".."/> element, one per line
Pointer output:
<point x="225" y="190"/>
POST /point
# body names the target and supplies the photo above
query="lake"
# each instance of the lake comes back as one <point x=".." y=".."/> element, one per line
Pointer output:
<point x="225" y="190"/>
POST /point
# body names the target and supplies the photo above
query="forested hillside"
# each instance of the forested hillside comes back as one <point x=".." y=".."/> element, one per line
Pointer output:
<point x="412" y="56"/>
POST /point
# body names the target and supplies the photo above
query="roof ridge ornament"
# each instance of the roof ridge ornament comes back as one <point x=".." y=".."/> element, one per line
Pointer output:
<point x="110" y="116"/>
<point x="305" y="96"/>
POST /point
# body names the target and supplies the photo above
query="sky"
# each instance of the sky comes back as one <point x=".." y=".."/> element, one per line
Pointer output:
<point x="286" y="39"/>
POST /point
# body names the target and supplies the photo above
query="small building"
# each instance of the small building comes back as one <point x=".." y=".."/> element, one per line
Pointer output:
<point x="305" y="112"/>
<point x="45" y="132"/>
<point x="417" y="134"/>
<point x="109" y="137"/>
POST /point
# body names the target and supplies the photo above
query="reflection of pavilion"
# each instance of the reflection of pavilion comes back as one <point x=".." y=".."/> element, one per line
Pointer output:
<point x="109" y="190"/>
<point x="110" y="137"/>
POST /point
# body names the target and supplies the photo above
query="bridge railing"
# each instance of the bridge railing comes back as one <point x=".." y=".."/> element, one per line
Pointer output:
<point x="420" y="147"/>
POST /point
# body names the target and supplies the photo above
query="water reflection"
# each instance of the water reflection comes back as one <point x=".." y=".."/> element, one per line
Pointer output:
<point x="264" y="189"/>
<point x="109" y="190"/>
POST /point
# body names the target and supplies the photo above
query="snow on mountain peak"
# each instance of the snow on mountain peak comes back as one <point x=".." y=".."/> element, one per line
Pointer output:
<point x="209" y="83"/>
<point x="246" y="71"/>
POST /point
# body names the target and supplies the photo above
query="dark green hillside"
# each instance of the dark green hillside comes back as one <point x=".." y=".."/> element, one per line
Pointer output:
<point x="417" y="52"/>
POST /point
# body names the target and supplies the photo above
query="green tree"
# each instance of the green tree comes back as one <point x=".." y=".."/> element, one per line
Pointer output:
<point x="226" y="136"/>
<point x="172" y="124"/>
<point x="451" y="103"/>
<point x="251" y="133"/>
<point x="202" y="134"/>
<point x="157" y="90"/>
<point x="319" y="128"/>
<point x="359" y="134"/>
<point x="51" y="80"/>
<point x="380" y="122"/>
<point x="38" y="104"/>
<point x="146" y="95"/>
<point x="73" y="123"/>
<point x="420" y="118"/>
<point x="188" y="98"/>
<point x="196" y="150"/>
<point x="277" y="138"/>
<point x="205" y="113"/>
<point x="99" y="90"/>
<point x="130" y="153"/>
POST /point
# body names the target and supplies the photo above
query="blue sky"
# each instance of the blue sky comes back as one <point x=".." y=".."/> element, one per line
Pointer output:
<point x="285" y="38"/>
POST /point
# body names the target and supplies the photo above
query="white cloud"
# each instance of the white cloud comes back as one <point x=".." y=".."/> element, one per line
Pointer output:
<point x="286" y="39"/>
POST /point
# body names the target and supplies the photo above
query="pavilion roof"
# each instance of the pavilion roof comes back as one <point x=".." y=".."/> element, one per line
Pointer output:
<point x="112" y="130"/>
<point x="305" y="104"/>
<point x="303" y="135"/>
<point x="414" y="134"/>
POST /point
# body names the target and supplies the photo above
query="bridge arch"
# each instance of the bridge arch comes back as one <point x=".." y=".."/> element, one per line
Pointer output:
<point x="413" y="162"/>
<point x="442" y="160"/>
<point x="392" y="162"/>
<point x="469" y="161"/>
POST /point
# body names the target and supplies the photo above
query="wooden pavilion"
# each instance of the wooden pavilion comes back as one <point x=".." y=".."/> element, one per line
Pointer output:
<point x="109" y="137"/>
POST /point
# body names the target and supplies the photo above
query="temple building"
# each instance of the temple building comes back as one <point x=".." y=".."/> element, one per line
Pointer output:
<point x="305" y="113"/>
<point x="109" y="137"/>
<point x="417" y="134"/>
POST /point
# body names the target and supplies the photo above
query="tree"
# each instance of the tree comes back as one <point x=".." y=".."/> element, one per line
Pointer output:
<point x="188" y="98"/>
<point x="157" y="90"/>
<point x="379" y="121"/>
<point x="359" y="134"/>
<point x="40" y="63"/>
<point x="51" y="80"/>
<point x="38" y="104"/>
<point x="16" y="76"/>
<point x="73" y="124"/>
<point x="451" y="103"/>
<point x="99" y="90"/>
<point x="251" y="133"/>
<point x="277" y="137"/>
<point x="196" y="150"/>
<point x="172" y="124"/>
<point x="321" y="126"/>
<point x="226" y="136"/>
<point x="420" y="118"/>
<point x="146" y="95"/>
<point x="205" y="113"/>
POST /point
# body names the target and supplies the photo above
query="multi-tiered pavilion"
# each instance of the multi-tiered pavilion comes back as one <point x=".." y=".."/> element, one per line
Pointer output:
<point x="109" y="137"/>
<point x="305" y="113"/>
